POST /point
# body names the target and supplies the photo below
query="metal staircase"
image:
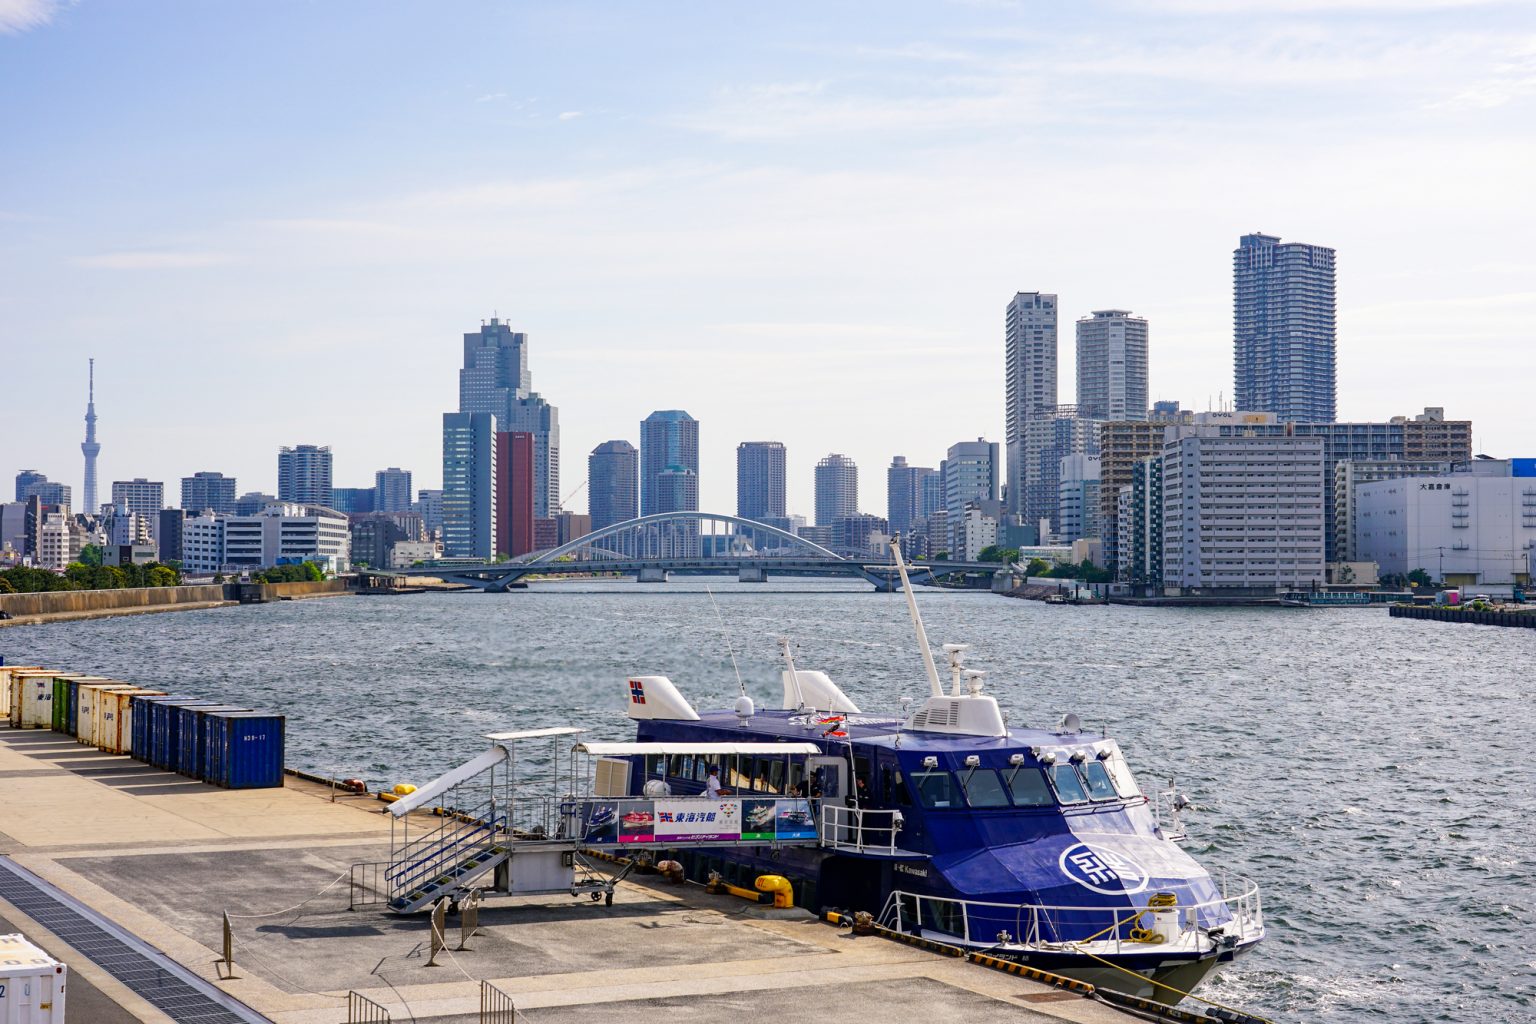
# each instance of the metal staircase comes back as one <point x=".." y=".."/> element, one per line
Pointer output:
<point x="445" y="860"/>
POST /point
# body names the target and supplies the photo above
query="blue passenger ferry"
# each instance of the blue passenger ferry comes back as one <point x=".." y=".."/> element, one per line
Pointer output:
<point x="1032" y="845"/>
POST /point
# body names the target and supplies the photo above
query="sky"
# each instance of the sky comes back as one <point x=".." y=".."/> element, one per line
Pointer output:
<point x="271" y="223"/>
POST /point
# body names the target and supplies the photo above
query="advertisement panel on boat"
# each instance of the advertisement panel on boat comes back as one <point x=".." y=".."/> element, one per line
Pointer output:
<point x="698" y="820"/>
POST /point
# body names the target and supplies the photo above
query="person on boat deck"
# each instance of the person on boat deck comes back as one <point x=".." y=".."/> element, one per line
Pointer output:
<point x="712" y="786"/>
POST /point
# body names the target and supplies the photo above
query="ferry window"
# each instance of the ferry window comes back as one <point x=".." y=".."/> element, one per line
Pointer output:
<point x="760" y="775"/>
<point x="1069" y="788"/>
<point x="700" y="769"/>
<point x="982" y="788"/>
<point x="776" y="777"/>
<point x="1100" y="786"/>
<point x="1029" y="789"/>
<point x="934" y="789"/>
<point x="685" y="771"/>
<point x="1120" y="772"/>
<point x="895" y="792"/>
<point x="796" y="777"/>
<point x="739" y="776"/>
<point x="655" y="764"/>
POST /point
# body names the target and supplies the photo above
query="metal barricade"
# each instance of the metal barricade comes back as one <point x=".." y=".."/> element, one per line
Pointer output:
<point x="496" y="1006"/>
<point x="362" y="1010"/>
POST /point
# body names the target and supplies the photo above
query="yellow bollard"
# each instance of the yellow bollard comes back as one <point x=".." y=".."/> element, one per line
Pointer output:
<point x="783" y="892"/>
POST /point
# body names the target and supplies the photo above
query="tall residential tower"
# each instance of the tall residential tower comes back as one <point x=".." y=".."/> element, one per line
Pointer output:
<point x="669" y="442"/>
<point x="760" y="483"/>
<point x="1030" y="333"/>
<point x="1112" y="366"/>
<point x="1283" y="329"/>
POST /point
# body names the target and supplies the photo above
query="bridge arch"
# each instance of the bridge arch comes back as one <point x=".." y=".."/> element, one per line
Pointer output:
<point x="664" y="518"/>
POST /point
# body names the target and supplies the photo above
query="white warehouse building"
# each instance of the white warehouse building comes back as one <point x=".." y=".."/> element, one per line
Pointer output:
<point x="1473" y="527"/>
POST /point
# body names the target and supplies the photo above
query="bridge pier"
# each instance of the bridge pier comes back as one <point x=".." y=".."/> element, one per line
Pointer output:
<point x="651" y="574"/>
<point x="752" y="574"/>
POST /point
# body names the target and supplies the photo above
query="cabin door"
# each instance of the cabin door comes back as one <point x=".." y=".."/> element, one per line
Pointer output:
<point x="827" y="784"/>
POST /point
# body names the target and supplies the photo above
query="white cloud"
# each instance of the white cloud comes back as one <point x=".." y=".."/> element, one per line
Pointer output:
<point x="143" y="259"/>
<point x="569" y="115"/>
<point x="490" y="97"/>
<point x="21" y="15"/>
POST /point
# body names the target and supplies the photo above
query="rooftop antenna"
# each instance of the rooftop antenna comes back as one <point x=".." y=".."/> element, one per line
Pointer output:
<point x="935" y="687"/>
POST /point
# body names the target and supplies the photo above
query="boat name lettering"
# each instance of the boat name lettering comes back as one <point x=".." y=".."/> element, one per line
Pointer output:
<point x="1102" y="870"/>
<point x="907" y="869"/>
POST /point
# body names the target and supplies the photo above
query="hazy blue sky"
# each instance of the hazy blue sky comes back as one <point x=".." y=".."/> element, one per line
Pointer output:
<point x="271" y="222"/>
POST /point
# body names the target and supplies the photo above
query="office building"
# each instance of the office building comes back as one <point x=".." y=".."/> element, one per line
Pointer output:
<point x="469" y="485"/>
<point x="669" y="439"/>
<point x="860" y="534"/>
<point x="45" y="490"/>
<point x="1078" y="506"/>
<point x="140" y="496"/>
<point x="24" y="481"/>
<point x="516" y="480"/>
<point x="1284" y="331"/>
<point x="208" y="491"/>
<point x="1242" y="513"/>
<point x="286" y="533"/>
<point x="1474" y="527"/>
<point x="1030" y="374"/>
<point x="168" y="533"/>
<point x="977" y="530"/>
<point x="353" y="500"/>
<point x="906" y="488"/>
<point x="571" y="526"/>
<point x="90" y="447"/>
<point x="1112" y="366"/>
<point x="1048" y="440"/>
<point x="304" y="475"/>
<point x="429" y="505"/>
<point x="251" y="502"/>
<point x="374" y="536"/>
<point x="970" y="474"/>
<point x="495" y="379"/>
<point x="837" y="489"/>
<point x="392" y="490"/>
<point x="202" y="543"/>
<point x="760" y="483"/>
<point x="613" y="483"/>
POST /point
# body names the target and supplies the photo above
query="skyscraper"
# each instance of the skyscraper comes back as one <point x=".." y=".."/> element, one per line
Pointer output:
<point x="668" y="438"/>
<point x="89" y="447"/>
<point x="904" y="494"/>
<point x="496" y="379"/>
<point x="514" y="492"/>
<point x="304" y="475"/>
<point x="206" y="490"/>
<point x="1048" y="440"/>
<point x="613" y="483"/>
<point x="1112" y="366"/>
<point x="392" y="490"/>
<point x="469" y="485"/>
<point x="970" y="474"/>
<point x="1030" y="336"/>
<point x="25" y="479"/>
<point x="837" y="489"/>
<point x="760" y="482"/>
<point x="1284" y="332"/>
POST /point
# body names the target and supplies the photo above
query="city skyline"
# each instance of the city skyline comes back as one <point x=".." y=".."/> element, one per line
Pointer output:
<point x="875" y="166"/>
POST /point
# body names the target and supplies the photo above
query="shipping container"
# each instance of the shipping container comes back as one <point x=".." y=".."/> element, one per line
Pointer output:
<point x="243" y="749"/>
<point x="87" y="706"/>
<point x="36" y="695"/>
<point x="9" y="706"/>
<point x="189" y="737"/>
<point x="31" y="983"/>
<point x="163" y="735"/>
<point x="66" y="686"/>
<point x="114" y="731"/>
<point x="60" y="703"/>
<point x="143" y="722"/>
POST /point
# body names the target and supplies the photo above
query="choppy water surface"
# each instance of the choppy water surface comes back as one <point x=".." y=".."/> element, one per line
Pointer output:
<point x="1375" y="775"/>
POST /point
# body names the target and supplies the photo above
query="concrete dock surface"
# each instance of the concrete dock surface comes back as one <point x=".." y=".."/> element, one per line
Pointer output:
<point x="164" y="857"/>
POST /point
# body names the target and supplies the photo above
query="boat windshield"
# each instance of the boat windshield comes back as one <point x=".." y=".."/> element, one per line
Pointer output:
<point x="1069" y="788"/>
<point x="982" y="788"/>
<point x="1029" y="789"/>
<point x="934" y="789"/>
<point x="1100" y="786"/>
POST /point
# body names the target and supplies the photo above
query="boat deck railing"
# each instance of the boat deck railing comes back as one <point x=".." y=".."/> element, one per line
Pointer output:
<point x="860" y="830"/>
<point x="1237" y="914"/>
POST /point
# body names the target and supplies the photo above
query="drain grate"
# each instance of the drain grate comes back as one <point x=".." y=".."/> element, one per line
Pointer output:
<point x="165" y="984"/>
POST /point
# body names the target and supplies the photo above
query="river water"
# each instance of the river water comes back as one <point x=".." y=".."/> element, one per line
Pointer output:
<point x="1375" y="775"/>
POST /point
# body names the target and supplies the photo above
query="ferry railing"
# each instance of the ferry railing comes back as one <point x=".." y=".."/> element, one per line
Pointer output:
<point x="856" y="829"/>
<point x="1045" y="926"/>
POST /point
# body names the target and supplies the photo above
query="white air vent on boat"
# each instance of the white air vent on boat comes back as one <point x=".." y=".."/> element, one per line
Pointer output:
<point x="817" y="692"/>
<point x="965" y="716"/>
<point x="655" y="697"/>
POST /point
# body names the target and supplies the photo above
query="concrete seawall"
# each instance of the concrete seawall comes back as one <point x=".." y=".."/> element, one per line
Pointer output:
<point x="57" y="605"/>
<point x="1517" y="618"/>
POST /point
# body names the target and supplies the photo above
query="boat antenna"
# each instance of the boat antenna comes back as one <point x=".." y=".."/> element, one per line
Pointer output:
<point x="794" y="677"/>
<point x="935" y="687"/>
<point x="727" y="635"/>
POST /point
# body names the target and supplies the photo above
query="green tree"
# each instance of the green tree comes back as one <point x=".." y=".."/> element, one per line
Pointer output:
<point x="1038" y="567"/>
<point x="998" y="553"/>
<point x="5" y="586"/>
<point x="90" y="554"/>
<point x="1420" y="578"/>
<point x="162" y="576"/>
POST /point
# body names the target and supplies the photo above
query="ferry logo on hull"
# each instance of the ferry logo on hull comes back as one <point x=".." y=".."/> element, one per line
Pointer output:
<point x="636" y="691"/>
<point x="1102" y="870"/>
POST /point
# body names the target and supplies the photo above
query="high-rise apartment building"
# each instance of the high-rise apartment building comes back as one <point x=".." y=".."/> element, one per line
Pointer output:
<point x="837" y="489"/>
<point x="1078" y="506"/>
<point x="970" y="477"/>
<point x="469" y="485"/>
<point x="904" y="491"/>
<point x="46" y="491"/>
<point x="496" y="379"/>
<point x="1284" y="329"/>
<point x="429" y="505"/>
<point x="613" y="483"/>
<point x="207" y="491"/>
<point x="1030" y="374"/>
<point x="304" y="475"/>
<point x="392" y="490"/>
<point x="1242" y="512"/>
<point x="24" y="481"/>
<point x="1139" y="557"/>
<point x="1047" y="440"/>
<point x="669" y="438"/>
<point x="760" y="472"/>
<point x="515" y="486"/>
<point x="1112" y="366"/>
<point x="144" y="498"/>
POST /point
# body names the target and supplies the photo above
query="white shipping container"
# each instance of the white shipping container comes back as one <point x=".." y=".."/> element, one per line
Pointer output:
<point x="87" y="705"/>
<point x="10" y="682"/>
<point x="114" y="717"/>
<point x="36" y="694"/>
<point x="31" y="983"/>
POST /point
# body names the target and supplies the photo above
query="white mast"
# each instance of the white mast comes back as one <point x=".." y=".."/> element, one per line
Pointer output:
<point x="936" y="688"/>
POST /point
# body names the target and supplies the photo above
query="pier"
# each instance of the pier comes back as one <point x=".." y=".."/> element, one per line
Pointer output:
<point x="126" y="872"/>
<point x="1518" y="617"/>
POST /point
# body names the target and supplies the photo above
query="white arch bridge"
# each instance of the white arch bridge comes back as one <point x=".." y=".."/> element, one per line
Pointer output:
<point x="653" y="547"/>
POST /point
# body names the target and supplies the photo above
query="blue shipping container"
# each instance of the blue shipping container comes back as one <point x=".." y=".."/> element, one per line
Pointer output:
<point x="243" y="749"/>
<point x="142" y="720"/>
<point x="162" y="737"/>
<point x="189" y="736"/>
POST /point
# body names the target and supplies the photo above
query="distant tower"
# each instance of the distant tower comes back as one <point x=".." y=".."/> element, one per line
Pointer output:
<point x="89" y="447"/>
